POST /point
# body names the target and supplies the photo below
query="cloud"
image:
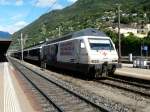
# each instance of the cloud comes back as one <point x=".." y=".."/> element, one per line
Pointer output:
<point x="13" y="27"/>
<point x="45" y="3"/>
<point x="17" y="17"/>
<point x="11" y="2"/>
<point x="20" y="24"/>
<point x="14" y="23"/>
<point x="72" y="1"/>
<point x="57" y="6"/>
<point x="19" y="2"/>
<point x="4" y="2"/>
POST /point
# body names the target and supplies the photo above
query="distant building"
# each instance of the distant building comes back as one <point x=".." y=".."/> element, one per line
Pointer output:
<point x="137" y="30"/>
<point x="143" y="30"/>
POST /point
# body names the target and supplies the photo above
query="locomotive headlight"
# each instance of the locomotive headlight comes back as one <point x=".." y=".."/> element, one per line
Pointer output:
<point x="95" y="61"/>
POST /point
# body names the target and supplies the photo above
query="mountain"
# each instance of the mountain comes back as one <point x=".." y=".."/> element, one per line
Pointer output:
<point x="80" y="15"/>
<point x="5" y="35"/>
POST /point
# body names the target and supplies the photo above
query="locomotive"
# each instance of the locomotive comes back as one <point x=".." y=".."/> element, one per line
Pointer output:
<point x="88" y="51"/>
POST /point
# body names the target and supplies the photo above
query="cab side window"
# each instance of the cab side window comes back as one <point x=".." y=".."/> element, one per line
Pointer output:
<point x="82" y="44"/>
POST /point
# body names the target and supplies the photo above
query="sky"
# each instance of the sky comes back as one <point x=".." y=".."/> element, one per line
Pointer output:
<point x="16" y="14"/>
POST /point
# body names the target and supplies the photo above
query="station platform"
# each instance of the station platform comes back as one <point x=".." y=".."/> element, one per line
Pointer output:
<point x="129" y="71"/>
<point x="12" y="96"/>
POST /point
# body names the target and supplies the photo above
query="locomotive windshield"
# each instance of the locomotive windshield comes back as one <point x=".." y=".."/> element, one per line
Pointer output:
<point x="100" y="44"/>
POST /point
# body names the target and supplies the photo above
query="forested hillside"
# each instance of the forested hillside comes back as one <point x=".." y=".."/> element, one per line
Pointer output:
<point x="83" y="14"/>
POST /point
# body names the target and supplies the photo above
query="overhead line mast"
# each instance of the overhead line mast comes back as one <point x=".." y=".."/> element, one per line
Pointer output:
<point x="119" y="37"/>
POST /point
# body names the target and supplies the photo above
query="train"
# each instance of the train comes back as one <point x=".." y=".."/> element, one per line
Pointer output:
<point x="88" y="51"/>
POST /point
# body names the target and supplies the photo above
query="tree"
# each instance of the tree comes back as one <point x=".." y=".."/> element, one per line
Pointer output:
<point x="148" y="36"/>
<point x="112" y="35"/>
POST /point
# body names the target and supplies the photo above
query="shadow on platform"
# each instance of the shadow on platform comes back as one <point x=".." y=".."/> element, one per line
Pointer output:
<point x="3" y="59"/>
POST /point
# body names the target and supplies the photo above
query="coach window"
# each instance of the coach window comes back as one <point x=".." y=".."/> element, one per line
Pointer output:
<point x="82" y="45"/>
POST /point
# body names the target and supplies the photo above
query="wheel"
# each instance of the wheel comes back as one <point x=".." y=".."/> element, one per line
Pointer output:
<point x="43" y="65"/>
<point x="112" y="71"/>
<point x="91" y="74"/>
<point x="104" y="71"/>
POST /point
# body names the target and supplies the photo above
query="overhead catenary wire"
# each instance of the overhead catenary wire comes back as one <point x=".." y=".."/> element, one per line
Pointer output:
<point x="47" y="10"/>
<point x="52" y="5"/>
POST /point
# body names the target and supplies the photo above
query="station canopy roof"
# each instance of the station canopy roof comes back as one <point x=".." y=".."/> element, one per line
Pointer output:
<point x="4" y="44"/>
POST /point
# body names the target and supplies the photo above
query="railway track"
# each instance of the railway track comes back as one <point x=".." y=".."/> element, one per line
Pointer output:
<point x="44" y="104"/>
<point x="134" y="87"/>
<point x="139" y="83"/>
<point x="62" y="99"/>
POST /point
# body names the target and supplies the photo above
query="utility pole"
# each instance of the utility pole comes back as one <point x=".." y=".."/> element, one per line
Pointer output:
<point x="21" y="47"/>
<point x="119" y="37"/>
<point x="141" y="48"/>
<point x="59" y="30"/>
